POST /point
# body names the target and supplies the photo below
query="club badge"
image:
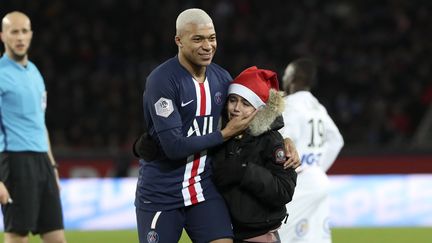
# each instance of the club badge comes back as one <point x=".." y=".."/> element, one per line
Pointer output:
<point x="218" y="98"/>
<point x="152" y="237"/>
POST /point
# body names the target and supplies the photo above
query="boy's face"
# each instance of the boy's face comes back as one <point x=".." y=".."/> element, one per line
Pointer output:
<point x="238" y="106"/>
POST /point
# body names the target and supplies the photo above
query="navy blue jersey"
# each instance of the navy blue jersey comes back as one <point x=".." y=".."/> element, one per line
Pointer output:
<point x="182" y="116"/>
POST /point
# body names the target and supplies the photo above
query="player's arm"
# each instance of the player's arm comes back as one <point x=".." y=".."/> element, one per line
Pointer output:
<point x="291" y="134"/>
<point x="166" y="126"/>
<point x="293" y="159"/>
<point x="333" y="144"/>
<point x="176" y="146"/>
<point x="4" y="194"/>
<point x="167" y="123"/>
<point x="52" y="160"/>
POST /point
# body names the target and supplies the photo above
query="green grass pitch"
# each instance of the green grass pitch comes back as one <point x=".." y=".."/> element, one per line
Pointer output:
<point x="340" y="235"/>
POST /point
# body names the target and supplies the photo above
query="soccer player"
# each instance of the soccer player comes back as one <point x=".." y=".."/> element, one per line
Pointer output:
<point x="182" y="102"/>
<point x="318" y="141"/>
<point x="29" y="182"/>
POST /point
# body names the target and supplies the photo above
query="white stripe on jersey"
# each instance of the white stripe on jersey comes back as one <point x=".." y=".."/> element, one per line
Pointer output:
<point x="207" y="97"/>
<point x="155" y="219"/>
<point x="197" y="178"/>
<point x="198" y="188"/>
<point x="188" y="171"/>
<point x="211" y="125"/>
<point x="192" y="191"/>
<point x="198" y="96"/>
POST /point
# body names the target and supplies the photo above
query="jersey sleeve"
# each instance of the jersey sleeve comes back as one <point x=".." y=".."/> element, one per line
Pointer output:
<point x="165" y="123"/>
<point x="160" y="110"/>
<point x="333" y="145"/>
<point x="176" y="146"/>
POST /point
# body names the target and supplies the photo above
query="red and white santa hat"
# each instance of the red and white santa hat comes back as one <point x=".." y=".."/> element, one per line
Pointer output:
<point x="254" y="85"/>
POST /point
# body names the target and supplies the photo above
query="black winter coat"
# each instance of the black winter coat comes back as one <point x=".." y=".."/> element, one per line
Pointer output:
<point x="250" y="176"/>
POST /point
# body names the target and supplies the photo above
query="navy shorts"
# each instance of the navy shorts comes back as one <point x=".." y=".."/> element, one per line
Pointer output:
<point x="204" y="222"/>
<point x="30" y="180"/>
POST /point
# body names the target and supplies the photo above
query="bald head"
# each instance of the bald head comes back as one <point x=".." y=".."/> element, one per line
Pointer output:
<point x="300" y="74"/>
<point x="16" y="36"/>
<point x="192" y="16"/>
<point x="14" y="17"/>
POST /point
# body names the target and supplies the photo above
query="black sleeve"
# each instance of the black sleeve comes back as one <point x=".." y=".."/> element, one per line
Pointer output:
<point x="271" y="183"/>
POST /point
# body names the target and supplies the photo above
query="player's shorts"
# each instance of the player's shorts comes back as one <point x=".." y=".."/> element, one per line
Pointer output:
<point x="308" y="220"/>
<point x="30" y="180"/>
<point x="204" y="222"/>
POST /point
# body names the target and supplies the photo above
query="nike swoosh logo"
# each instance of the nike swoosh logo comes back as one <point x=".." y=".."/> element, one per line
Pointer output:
<point x="187" y="103"/>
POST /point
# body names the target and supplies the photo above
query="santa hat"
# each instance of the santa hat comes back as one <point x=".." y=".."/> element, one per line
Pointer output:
<point x="254" y="85"/>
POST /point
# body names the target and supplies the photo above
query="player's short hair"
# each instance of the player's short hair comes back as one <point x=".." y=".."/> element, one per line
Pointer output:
<point x="305" y="71"/>
<point x="192" y="16"/>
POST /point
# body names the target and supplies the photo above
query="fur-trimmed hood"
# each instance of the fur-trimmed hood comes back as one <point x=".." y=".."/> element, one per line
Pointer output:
<point x="266" y="116"/>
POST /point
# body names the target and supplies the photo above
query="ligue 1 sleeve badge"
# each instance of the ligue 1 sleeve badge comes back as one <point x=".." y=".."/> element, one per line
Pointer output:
<point x="152" y="237"/>
<point x="164" y="107"/>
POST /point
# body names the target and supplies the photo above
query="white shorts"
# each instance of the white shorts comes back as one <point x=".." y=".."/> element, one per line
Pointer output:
<point x="308" y="219"/>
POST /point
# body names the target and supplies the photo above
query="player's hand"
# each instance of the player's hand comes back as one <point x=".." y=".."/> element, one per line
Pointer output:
<point x="237" y="125"/>
<point x="293" y="159"/>
<point x="4" y="194"/>
<point x="146" y="148"/>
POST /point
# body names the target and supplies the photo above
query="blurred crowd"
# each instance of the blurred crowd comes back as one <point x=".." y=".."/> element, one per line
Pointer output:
<point x="374" y="60"/>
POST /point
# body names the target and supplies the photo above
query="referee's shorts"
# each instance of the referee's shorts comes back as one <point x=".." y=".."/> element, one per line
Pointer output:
<point x="30" y="180"/>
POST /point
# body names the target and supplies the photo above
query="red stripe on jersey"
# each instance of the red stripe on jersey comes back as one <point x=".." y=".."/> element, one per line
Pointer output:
<point x="203" y="99"/>
<point x="194" y="172"/>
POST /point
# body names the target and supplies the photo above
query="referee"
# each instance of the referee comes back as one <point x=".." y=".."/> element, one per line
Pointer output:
<point x="29" y="181"/>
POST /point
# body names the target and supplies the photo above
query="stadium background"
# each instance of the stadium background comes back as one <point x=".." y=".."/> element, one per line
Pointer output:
<point x="374" y="73"/>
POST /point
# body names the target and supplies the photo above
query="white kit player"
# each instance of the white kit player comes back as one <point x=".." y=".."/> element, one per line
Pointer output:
<point x="318" y="142"/>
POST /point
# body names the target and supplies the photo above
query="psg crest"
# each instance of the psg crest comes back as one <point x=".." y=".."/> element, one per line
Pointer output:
<point x="218" y="98"/>
<point x="152" y="237"/>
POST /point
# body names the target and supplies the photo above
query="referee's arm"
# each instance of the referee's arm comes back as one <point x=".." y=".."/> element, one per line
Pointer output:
<point x="51" y="157"/>
<point x="4" y="194"/>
